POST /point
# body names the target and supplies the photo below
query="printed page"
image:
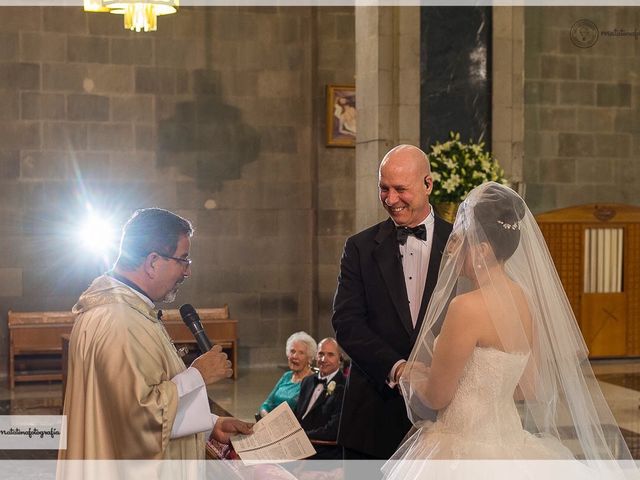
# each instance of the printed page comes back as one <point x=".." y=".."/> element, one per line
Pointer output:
<point x="278" y="437"/>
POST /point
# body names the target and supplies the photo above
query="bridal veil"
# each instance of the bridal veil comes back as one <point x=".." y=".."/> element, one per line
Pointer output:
<point x="558" y="394"/>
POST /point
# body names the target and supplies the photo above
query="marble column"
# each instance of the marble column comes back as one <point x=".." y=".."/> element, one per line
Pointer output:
<point x="456" y="50"/>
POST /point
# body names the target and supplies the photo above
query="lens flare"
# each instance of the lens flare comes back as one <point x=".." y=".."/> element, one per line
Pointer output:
<point x="98" y="235"/>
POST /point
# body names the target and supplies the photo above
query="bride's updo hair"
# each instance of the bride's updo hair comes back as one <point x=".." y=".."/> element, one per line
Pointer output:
<point x="498" y="212"/>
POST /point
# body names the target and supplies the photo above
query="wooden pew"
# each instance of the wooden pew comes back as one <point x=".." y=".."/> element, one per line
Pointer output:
<point x="35" y="347"/>
<point x="35" y="340"/>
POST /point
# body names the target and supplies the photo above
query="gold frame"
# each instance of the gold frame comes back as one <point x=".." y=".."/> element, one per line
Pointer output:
<point x="335" y="138"/>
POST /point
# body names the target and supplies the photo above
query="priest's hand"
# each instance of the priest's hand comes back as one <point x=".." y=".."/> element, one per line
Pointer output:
<point x="213" y="365"/>
<point x="225" y="427"/>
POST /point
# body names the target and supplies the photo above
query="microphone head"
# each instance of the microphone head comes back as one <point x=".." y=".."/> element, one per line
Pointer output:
<point x="192" y="321"/>
<point x="187" y="310"/>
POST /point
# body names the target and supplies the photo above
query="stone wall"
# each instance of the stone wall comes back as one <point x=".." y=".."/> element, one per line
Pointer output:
<point x="581" y="108"/>
<point x="218" y="115"/>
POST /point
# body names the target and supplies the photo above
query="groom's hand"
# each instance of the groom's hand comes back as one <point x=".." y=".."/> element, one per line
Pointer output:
<point x="399" y="371"/>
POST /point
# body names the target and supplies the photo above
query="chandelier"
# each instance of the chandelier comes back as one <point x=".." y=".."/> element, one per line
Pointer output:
<point x="138" y="15"/>
<point x="94" y="6"/>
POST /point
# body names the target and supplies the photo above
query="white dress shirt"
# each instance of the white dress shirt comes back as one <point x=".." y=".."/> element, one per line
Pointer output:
<point x="318" y="391"/>
<point x="415" y="255"/>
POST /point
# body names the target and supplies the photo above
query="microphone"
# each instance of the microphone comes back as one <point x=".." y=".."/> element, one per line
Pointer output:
<point x="192" y="320"/>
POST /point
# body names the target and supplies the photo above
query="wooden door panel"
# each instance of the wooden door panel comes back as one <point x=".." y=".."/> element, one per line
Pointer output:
<point x="603" y="324"/>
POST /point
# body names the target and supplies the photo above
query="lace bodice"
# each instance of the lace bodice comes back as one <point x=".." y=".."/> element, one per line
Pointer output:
<point x="483" y="403"/>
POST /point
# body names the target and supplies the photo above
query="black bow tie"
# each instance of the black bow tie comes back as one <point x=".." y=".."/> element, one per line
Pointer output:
<point x="317" y="380"/>
<point x="419" y="232"/>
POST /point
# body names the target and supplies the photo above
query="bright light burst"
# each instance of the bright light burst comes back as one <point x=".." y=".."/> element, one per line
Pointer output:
<point x="98" y="235"/>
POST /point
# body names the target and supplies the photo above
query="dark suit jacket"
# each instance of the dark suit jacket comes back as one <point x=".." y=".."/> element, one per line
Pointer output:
<point x="373" y="325"/>
<point x="321" y="423"/>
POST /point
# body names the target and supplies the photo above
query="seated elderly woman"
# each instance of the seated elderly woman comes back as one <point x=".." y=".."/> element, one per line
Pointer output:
<point x="300" y="350"/>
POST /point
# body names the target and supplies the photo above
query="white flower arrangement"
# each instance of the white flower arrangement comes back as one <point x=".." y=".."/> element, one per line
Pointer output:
<point x="457" y="168"/>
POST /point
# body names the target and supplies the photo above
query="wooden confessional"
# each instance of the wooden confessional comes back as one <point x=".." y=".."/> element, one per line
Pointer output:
<point x="596" y="250"/>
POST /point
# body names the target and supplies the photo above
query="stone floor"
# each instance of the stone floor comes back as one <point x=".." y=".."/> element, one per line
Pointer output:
<point x="620" y="382"/>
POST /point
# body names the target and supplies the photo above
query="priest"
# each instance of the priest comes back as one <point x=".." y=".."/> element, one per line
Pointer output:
<point x="128" y="394"/>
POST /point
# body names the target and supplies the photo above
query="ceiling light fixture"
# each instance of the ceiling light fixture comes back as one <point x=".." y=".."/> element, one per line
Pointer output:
<point x="139" y="15"/>
<point x="94" y="6"/>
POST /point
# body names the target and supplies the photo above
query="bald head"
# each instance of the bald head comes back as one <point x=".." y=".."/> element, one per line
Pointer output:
<point x="405" y="184"/>
<point x="407" y="156"/>
<point x="328" y="356"/>
<point x="329" y="340"/>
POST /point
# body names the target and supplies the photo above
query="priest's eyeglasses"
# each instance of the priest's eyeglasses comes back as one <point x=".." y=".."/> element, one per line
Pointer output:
<point x="185" y="262"/>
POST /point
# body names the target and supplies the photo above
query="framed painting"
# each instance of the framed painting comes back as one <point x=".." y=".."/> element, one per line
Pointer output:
<point x="342" y="116"/>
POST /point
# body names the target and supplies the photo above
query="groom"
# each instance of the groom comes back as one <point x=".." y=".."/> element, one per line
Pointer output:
<point x="387" y="275"/>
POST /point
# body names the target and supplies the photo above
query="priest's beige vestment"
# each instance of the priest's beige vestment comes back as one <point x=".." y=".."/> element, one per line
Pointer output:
<point x="120" y="401"/>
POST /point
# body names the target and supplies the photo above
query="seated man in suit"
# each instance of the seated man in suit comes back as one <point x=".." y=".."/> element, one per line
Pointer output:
<point x="320" y="402"/>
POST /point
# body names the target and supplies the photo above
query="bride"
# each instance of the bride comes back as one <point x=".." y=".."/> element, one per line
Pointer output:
<point x="500" y="369"/>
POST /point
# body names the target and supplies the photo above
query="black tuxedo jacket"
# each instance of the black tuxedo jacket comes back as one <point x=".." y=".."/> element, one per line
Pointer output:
<point x="373" y="325"/>
<point x="321" y="423"/>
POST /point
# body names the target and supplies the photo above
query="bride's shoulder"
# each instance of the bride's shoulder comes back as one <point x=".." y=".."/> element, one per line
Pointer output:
<point x="466" y="301"/>
<point x="463" y="307"/>
<point x="458" y="326"/>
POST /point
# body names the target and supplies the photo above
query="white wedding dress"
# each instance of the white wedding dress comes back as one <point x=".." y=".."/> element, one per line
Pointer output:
<point x="480" y="423"/>
<point x="482" y="420"/>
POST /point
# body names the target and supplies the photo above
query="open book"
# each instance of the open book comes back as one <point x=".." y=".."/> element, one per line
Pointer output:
<point x="278" y="437"/>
